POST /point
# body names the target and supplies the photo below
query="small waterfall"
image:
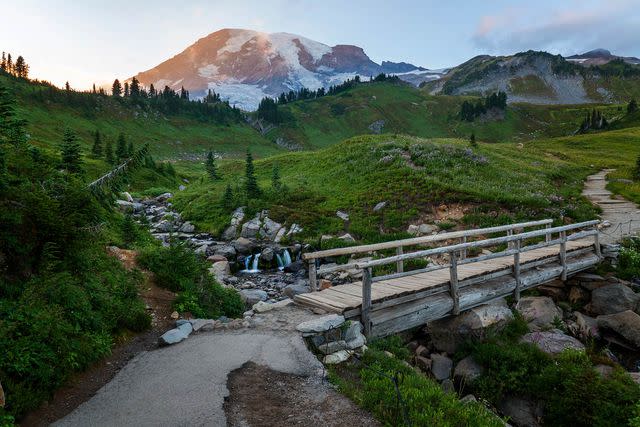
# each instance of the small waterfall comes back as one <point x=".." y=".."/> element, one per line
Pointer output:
<point x="280" y="263"/>
<point x="287" y="257"/>
<point x="253" y="260"/>
<point x="246" y="263"/>
<point x="254" y="266"/>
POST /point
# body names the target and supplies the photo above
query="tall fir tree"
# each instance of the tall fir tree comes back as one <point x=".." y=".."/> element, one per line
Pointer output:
<point x="227" y="199"/>
<point x="134" y="88"/>
<point x="108" y="153"/>
<point x="251" y="187"/>
<point x="121" y="148"/>
<point x="126" y="90"/>
<point x="130" y="149"/>
<point x="96" y="150"/>
<point x="212" y="168"/>
<point x="116" y="88"/>
<point x="70" y="152"/>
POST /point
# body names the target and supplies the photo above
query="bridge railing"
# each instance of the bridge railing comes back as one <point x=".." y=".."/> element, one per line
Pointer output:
<point x="514" y="248"/>
<point x="399" y="245"/>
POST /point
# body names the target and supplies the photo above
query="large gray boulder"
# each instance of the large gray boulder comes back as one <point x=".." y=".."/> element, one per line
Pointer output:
<point x="270" y="229"/>
<point x="447" y="334"/>
<point x="552" y="342"/>
<point x="220" y="270"/>
<point x="441" y="367"/>
<point x="296" y="289"/>
<point x="251" y="228"/>
<point x="252" y="296"/>
<point x="230" y="233"/>
<point x="613" y="299"/>
<point x="321" y="324"/>
<point x="176" y="335"/>
<point x="587" y="326"/>
<point x="467" y="370"/>
<point x="540" y="312"/>
<point x="625" y="324"/>
<point x="243" y="245"/>
<point x="227" y="251"/>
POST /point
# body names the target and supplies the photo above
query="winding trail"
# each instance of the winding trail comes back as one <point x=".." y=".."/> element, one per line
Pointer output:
<point x="622" y="214"/>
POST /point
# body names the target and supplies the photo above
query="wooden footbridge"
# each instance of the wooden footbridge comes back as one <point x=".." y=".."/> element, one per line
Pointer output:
<point x="466" y="277"/>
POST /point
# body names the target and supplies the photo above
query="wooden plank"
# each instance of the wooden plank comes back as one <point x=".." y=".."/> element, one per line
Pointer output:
<point x="366" y="301"/>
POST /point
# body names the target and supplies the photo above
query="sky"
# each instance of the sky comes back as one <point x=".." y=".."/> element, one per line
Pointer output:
<point x="96" y="41"/>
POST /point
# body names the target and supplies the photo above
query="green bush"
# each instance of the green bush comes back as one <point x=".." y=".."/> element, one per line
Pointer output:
<point x="629" y="259"/>
<point x="181" y="270"/>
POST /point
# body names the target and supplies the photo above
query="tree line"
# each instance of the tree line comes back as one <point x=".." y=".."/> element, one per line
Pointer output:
<point x="19" y="68"/>
<point x="469" y="110"/>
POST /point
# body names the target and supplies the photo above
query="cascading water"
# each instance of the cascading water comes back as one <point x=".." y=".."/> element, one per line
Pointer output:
<point x="253" y="260"/>
<point x="280" y="262"/>
<point x="286" y="257"/>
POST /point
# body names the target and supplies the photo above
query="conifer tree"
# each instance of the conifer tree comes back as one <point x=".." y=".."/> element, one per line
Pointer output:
<point x="96" y="150"/>
<point x="108" y="153"/>
<point x="472" y="140"/>
<point x="227" y="199"/>
<point x="67" y="87"/>
<point x="70" y="152"/>
<point x="9" y="64"/>
<point x="134" y="89"/>
<point x="126" y="89"/>
<point x="3" y="63"/>
<point x="212" y="169"/>
<point x="251" y="182"/>
<point x="121" y="147"/>
<point x="130" y="149"/>
<point x="116" y="88"/>
<point x="276" y="183"/>
<point x="21" y="69"/>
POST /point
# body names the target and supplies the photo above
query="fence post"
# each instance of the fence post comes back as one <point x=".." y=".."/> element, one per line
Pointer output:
<point x="453" y="283"/>
<point x="313" y="282"/>
<point x="516" y="268"/>
<point x="547" y="237"/>
<point x="463" y="252"/>
<point x="596" y="238"/>
<point x="399" y="264"/>
<point x="510" y="244"/>
<point x="366" y="301"/>
<point x="563" y="254"/>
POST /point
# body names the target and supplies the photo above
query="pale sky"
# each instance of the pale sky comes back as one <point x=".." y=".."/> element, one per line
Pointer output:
<point x="96" y="41"/>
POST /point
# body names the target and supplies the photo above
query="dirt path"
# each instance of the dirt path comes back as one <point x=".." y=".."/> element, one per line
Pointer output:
<point x="84" y="385"/>
<point x="623" y="215"/>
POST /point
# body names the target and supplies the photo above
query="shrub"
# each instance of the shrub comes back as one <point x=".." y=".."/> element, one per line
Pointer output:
<point x="629" y="259"/>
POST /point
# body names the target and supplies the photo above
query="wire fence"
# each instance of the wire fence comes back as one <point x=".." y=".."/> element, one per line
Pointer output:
<point x="626" y="229"/>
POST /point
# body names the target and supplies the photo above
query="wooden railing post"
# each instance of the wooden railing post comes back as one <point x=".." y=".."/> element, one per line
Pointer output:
<point x="509" y="244"/>
<point x="563" y="254"/>
<point x="596" y="243"/>
<point x="313" y="282"/>
<point x="463" y="252"/>
<point x="366" y="301"/>
<point x="547" y="237"/>
<point x="516" y="269"/>
<point x="399" y="264"/>
<point x="453" y="283"/>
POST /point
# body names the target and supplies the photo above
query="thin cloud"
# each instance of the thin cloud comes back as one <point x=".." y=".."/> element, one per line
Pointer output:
<point x="614" y="25"/>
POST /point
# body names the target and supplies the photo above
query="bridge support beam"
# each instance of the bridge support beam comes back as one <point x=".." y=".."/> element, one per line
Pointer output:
<point x="453" y="283"/>
<point x="366" y="301"/>
<point x="516" y="269"/>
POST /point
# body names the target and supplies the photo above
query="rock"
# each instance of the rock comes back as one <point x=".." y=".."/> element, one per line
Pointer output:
<point x="181" y="322"/>
<point x="424" y="229"/>
<point x="523" y="412"/>
<point x="163" y="197"/>
<point x="216" y="258"/>
<point x="635" y="376"/>
<point x="187" y="227"/>
<point x="422" y="351"/>
<point x="294" y="267"/>
<point x="237" y="216"/>
<point x="280" y="235"/>
<point x="413" y="230"/>
<point x="556" y="294"/>
<point x="182" y="187"/>
<point x="447" y="334"/>
<point x="270" y="228"/>
<point x="203" y="325"/>
<point x="625" y="324"/>
<point x="342" y="215"/>
<point x="243" y="245"/>
<point x="447" y="386"/>
<point x="175" y="315"/>
<point x="173" y="336"/>
<point x="587" y="326"/>
<point x="262" y="307"/>
<point x="469" y="398"/>
<point x="332" y="346"/>
<point x="613" y="299"/>
<point x="293" y="290"/>
<point x="337" y="357"/>
<point x="252" y="296"/>
<point x="127" y="196"/>
<point x="467" y="370"/>
<point x="186" y="328"/>
<point x="552" y="342"/>
<point x="326" y="237"/>
<point x="540" y="312"/>
<point x="227" y="251"/>
<point x="267" y="254"/>
<point x="164" y="226"/>
<point x="441" y="366"/>
<point x="353" y="335"/>
<point x="379" y="206"/>
<point x="220" y="270"/>
<point x="251" y="228"/>
<point x="295" y="229"/>
<point x="230" y="233"/>
<point x="325" y="284"/>
<point x="357" y="342"/>
<point x="321" y="324"/>
<point x="578" y="296"/>
<point x="423" y="363"/>
<point x="347" y="238"/>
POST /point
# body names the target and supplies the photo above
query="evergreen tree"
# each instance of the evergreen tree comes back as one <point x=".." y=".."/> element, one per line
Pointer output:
<point x="212" y="169"/>
<point x="94" y="89"/>
<point x="67" y="87"/>
<point x="130" y="149"/>
<point x="108" y="153"/>
<point x="227" y="199"/>
<point x="121" y="148"/>
<point x="472" y="140"/>
<point x="96" y="150"/>
<point x="276" y="182"/>
<point x="9" y="64"/>
<point x="632" y="107"/>
<point x="116" y="88"/>
<point x="129" y="231"/>
<point x="134" y="89"/>
<point x="251" y="187"/>
<point x="126" y="89"/>
<point x="3" y="63"/>
<point x="21" y="69"/>
<point x="11" y="128"/>
<point x="70" y="152"/>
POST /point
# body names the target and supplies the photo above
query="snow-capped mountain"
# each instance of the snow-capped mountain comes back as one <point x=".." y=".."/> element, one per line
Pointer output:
<point x="599" y="57"/>
<point x="244" y="66"/>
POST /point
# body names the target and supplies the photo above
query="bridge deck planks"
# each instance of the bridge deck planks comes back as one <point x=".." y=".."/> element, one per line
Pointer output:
<point x="348" y="297"/>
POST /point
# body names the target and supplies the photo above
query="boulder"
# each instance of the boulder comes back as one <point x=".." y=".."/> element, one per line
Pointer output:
<point x="243" y="245"/>
<point x="635" y="376"/>
<point x="252" y="296"/>
<point x="127" y="196"/>
<point x="174" y="336"/>
<point x="587" y="326"/>
<point x="577" y="295"/>
<point x="540" y="312"/>
<point x="280" y="235"/>
<point x="321" y="324"/>
<point x="613" y="299"/>
<point x="270" y="229"/>
<point x="220" y="270"/>
<point x="230" y="233"/>
<point x="164" y="226"/>
<point x="467" y="370"/>
<point x="626" y="324"/>
<point x="347" y="238"/>
<point x="295" y="229"/>
<point x="251" y="228"/>
<point x="163" y="197"/>
<point x="523" y="412"/>
<point x="413" y="230"/>
<point x="378" y="207"/>
<point x="267" y="254"/>
<point x="441" y="366"/>
<point x="203" y="324"/>
<point x="295" y="289"/>
<point x="449" y="333"/>
<point x="353" y="335"/>
<point x="227" y="251"/>
<point x="342" y="215"/>
<point x="423" y="363"/>
<point x="262" y="307"/>
<point x="424" y="229"/>
<point x="294" y="267"/>
<point x="552" y="342"/>
<point x="332" y="346"/>
<point x="337" y="357"/>
<point x="187" y="227"/>
<point x="216" y="258"/>
<point x="237" y="216"/>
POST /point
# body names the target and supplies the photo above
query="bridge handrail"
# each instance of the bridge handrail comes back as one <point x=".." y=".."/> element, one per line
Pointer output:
<point x="421" y="240"/>
<point x="515" y="248"/>
<point x="479" y="243"/>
